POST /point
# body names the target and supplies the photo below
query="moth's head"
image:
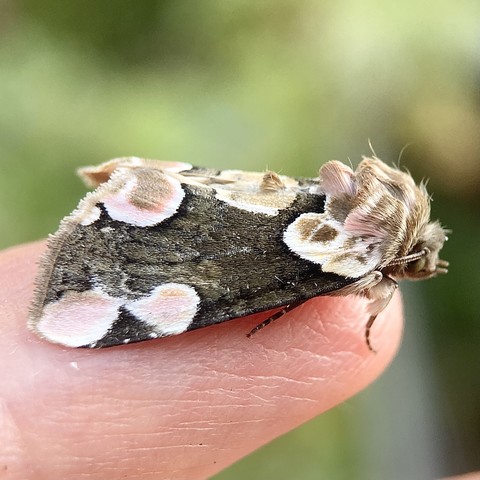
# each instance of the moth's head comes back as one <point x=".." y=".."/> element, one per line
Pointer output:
<point x="423" y="260"/>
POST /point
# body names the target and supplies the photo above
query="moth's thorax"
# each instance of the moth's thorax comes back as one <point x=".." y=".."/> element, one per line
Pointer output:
<point x="373" y="215"/>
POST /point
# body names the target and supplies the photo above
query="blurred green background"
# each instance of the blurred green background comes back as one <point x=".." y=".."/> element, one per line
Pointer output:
<point x="287" y="84"/>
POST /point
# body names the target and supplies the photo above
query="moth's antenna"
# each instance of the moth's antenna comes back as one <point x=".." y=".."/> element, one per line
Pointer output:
<point x="409" y="258"/>
<point x="371" y="148"/>
<point x="401" y="153"/>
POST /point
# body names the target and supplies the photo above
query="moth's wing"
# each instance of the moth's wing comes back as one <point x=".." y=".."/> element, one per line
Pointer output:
<point x="154" y="252"/>
<point x="82" y="287"/>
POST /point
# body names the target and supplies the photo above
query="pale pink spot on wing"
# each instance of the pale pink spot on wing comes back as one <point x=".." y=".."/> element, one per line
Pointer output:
<point x="170" y="308"/>
<point x="146" y="198"/>
<point x="78" y="318"/>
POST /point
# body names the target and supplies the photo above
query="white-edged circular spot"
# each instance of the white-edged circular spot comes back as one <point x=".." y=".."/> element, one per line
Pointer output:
<point x="318" y="238"/>
<point x="297" y="237"/>
<point x="78" y="318"/>
<point x="169" y="309"/>
<point x="146" y="197"/>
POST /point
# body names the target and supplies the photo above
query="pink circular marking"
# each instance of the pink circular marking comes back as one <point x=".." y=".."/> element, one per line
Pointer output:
<point x="145" y="203"/>
<point x="79" y="318"/>
<point x="170" y="308"/>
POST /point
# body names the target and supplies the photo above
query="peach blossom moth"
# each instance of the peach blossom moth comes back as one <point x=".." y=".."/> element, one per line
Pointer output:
<point x="160" y="248"/>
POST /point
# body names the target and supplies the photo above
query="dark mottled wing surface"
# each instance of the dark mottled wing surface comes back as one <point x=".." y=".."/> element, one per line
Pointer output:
<point x="235" y="259"/>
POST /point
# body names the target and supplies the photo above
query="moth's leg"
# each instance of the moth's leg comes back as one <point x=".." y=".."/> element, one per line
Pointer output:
<point x="360" y="286"/>
<point x="380" y="296"/>
<point x="368" y="327"/>
<point x="275" y="316"/>
<point x="376" y="287"/>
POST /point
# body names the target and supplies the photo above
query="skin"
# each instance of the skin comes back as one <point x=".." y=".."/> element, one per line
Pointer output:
<point x="182" y="407"/>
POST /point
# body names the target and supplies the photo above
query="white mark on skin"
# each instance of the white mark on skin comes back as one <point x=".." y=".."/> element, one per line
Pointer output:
<point x="145" y="197"/>
<point x="79" y="318"/>
<point x="169" y="309"/>
<point x="74" y="365"/>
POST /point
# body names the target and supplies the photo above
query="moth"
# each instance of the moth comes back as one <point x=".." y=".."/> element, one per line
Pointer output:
<point x="161" y="248"/>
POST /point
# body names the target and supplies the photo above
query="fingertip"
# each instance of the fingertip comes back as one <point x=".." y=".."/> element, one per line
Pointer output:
<point x="325" y="339"/>
<point x="192" y="391"/>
